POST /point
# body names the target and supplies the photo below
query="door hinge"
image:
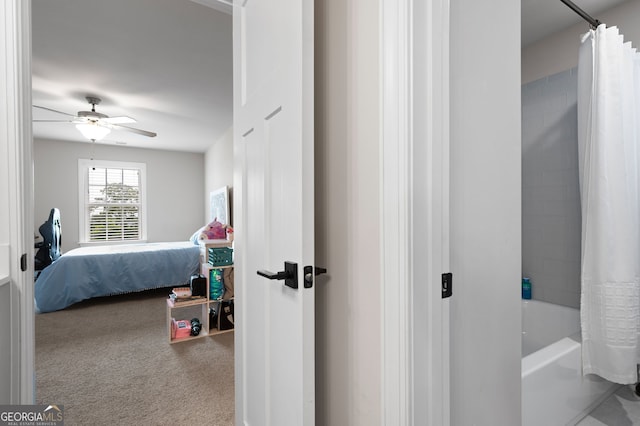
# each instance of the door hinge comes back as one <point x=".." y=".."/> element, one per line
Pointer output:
<point x="447" y="282"/>
<point x="23" y="262"/>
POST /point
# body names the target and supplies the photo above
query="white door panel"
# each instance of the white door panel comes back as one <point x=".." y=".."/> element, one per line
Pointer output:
<point x="273" y="125"/>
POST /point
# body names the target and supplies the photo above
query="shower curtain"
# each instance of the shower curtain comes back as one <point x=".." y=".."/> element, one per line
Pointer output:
<point x="608" y="149"/>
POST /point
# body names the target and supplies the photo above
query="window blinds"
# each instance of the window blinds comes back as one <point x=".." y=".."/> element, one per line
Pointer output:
<point x="114" y="204"/>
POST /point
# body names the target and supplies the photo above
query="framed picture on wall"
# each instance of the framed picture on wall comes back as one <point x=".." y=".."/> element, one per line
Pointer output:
<point x="219" y="205"/>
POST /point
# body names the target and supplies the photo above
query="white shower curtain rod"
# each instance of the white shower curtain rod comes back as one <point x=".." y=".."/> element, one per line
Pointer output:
<point x="593" y="22"/>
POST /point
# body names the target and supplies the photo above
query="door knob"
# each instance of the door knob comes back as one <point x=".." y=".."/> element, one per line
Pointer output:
<point x="274" y="275"/>
<point x="289" y="275"/>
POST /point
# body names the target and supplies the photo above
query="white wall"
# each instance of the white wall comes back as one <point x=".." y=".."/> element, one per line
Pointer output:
<point x="559" y="52"/>
<point x="218" y="170"/>
<point x="175" y="187"/>
<point x="485" y="213"/>
<point x="348" y="329"/>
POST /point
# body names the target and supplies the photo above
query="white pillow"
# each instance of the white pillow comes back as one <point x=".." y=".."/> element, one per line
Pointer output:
<point x="195" y="238"/>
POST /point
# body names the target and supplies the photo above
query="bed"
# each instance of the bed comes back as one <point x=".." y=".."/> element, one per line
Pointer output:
<point x="95" y="271"/>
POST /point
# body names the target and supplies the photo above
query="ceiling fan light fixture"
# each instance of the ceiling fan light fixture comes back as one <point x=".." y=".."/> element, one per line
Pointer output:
<point x="93" y="131"/>
<point x="94" y="125"/>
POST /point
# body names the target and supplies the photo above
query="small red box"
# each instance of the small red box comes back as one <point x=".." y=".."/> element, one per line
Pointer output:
<point x="180" y="328"/>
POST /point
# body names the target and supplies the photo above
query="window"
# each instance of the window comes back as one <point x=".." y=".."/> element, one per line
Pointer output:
<point x="112" y="201"/>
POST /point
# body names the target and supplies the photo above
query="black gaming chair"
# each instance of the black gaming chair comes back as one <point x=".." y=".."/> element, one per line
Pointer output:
<point x="50" y="248"/>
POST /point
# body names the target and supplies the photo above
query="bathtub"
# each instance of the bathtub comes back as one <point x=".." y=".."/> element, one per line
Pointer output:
<point x="554" y="392"/>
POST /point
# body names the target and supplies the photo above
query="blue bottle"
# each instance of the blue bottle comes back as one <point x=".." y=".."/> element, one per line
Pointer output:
<point x="526" y="288"/>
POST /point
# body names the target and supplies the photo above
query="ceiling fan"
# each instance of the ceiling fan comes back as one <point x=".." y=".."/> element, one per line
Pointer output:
<point x="94" y="125"/>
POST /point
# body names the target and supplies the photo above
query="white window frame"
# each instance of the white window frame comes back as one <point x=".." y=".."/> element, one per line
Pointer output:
<point x="83" y="198"/>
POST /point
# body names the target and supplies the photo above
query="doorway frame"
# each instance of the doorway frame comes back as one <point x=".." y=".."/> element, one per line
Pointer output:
<point x="407" y="51"/>
<point x="414" y="152"/>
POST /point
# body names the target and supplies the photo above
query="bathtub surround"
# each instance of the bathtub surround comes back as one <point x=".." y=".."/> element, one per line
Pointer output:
<point x="551" y="220"/>
<point x="609" y="162"/>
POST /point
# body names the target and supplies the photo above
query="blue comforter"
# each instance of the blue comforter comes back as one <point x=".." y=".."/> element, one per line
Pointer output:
<point x="89" y="272"/>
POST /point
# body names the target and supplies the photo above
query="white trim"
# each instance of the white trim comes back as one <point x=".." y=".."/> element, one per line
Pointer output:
<point x="83" y="165"/>
<point x="395" y="256"/>
<point x="415" y="211"/>
<point x="26" y="220"/>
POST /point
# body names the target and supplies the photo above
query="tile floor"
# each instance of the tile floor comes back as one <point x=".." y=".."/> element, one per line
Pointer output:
<point x="620" y="409"/>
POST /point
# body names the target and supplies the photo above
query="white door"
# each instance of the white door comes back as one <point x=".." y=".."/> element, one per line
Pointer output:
<point x="273" y="208"/>
<point x="17" y="342"/>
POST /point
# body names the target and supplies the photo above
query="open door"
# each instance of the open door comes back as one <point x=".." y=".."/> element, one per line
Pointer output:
<point x="17" y="339"/>
<point x="273" y="207"/>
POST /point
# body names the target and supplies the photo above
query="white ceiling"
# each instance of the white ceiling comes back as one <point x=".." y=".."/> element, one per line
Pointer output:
<point x="541" y="18"/>
<point x="166" y="63"/>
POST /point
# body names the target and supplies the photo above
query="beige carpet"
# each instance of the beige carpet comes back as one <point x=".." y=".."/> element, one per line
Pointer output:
<point x="108" y="361"/>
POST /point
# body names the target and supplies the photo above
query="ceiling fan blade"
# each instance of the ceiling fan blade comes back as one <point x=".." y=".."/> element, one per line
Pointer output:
<point x="119" y="120"/>
<point x="53" y="110"/>
<point x="53" y="121"/>
<point x="138" y="131"/>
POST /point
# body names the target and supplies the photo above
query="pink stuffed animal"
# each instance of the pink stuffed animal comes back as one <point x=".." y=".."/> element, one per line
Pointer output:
<point x="214" y="231"/>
